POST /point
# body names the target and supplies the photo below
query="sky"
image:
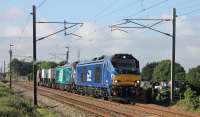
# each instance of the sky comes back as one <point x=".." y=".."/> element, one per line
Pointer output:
<point x="97" y="38"/>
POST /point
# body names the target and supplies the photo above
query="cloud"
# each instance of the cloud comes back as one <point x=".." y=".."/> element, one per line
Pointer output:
<point x="194" y="51"/>
<point x="11" y="14"/>
<point x="146" y="45"/>
<point x="26" y="30"/>
<point x="117" y="34"/>
<point x="184" y="27"/>
<point x="88" y="31"/>
<point x="10" y="31"/>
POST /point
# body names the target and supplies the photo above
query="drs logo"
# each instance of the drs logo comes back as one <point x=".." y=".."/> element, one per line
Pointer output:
<point x="89" y="75"/>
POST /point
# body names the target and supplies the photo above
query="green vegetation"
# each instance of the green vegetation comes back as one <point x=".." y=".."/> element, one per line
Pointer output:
<point x="187" y="86"/>
<point x="46" y="65"/>
<point x="21" y="68"/>
<point x="190" y="102"/>
<point x="193" y="78"/>
<point x="12" y="105"/>
<point x="163" y="70"/>
<point x="163" y="96"/>
<point x="147" y="71"/>
<point x="191" y="99"/>
<point x="24" y="68"/>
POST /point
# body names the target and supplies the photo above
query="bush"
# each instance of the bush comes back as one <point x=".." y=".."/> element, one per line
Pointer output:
<point x="163" y="96"/>
<point x="19" y="103"/>
<point x="191" y="101"/>
<point x="12" y="105"/>
<point x="10" y="112"/>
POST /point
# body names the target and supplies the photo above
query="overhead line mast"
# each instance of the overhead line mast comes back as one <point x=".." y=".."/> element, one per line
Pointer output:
<point x="158" y="21"/>
<point x="71" y="25"/>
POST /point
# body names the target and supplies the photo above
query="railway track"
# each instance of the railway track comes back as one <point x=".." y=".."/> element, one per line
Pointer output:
<point x="105" y="108"/>
<point x="97" y="109"/>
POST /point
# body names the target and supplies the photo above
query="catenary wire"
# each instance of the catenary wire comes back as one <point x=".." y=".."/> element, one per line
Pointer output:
<point x="189" y="12"/>
<point x="148" y="8"/>
<point x="41" y="4"/>
<point x="25" y="26"/>
<point x="145" y="9"/>
<point x="106" y="8"/>
<point x="130" y="4"/>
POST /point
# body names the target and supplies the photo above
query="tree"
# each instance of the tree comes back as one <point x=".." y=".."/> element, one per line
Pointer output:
<point x="46" y="65"/>
<point x="62" y="63"/>
<point x="21" y="67"/>
<point x="193" y="77"/>
<point x="163" y="70"/>
<point x="147" y="71"/>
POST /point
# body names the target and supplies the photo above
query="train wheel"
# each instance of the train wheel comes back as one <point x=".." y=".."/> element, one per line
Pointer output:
<point x="106" y="97"/>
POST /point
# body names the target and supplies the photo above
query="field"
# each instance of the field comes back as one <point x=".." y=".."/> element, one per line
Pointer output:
<point x="13" y="105"/>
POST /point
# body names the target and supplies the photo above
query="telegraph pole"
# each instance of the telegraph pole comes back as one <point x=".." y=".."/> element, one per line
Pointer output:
<point x="4" y="69"/>
<point x="10" y="51"/>
<point x="173" y="54"/>
<point x="34" y="57"/>
<point x="67" y="55"/>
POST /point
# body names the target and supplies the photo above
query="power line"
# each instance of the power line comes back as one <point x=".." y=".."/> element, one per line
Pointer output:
<point x="42" y="3"/>
<point x="25" y="26"/>
<point x="189" y="13"/>
<point x="130" y="4"/>
<point x="121" y="8"/>
<point x="144" y="9"/>
<point x="114" y="11"/>
<point x="148" y="8"/>
<point x="191" y="4"/>
<point x="106" y="8"/>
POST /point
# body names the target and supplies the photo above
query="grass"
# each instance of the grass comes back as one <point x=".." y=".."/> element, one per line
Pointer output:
<point x="12" y="105"/>
<point x="187" y="106"/>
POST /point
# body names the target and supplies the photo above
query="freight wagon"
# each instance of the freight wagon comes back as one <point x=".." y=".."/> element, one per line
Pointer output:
<point x="63" y="77"/>
<point x="43" y="80"/>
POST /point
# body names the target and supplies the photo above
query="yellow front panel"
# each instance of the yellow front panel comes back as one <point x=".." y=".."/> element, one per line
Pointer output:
<point x="126" y="79"/>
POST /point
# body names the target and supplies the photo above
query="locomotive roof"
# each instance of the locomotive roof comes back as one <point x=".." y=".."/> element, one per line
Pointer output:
<point x="95" y="60"/>
<point x="105" y="58"/>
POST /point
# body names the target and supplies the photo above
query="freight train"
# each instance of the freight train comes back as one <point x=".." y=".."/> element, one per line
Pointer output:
<point x="107" y="76"/>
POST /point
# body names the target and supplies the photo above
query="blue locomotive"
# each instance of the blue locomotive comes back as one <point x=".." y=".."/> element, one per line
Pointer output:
<point x="107" y="76"/>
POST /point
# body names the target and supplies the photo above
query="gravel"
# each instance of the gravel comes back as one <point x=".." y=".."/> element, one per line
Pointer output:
<point x="54" y="106"/>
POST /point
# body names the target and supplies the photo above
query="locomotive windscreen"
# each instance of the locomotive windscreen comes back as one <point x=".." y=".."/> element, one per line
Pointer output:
<point x="125" y="64"/>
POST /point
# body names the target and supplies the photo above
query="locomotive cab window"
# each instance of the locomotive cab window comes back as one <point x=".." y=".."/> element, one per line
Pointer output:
<point x="125" y="64"/>
<point x="97" y="74"/>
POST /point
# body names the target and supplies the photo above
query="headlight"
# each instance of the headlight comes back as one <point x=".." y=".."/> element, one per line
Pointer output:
<point x="115" y="81"/>
<point x="138" y="81"/>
